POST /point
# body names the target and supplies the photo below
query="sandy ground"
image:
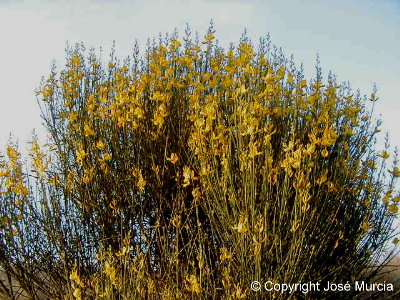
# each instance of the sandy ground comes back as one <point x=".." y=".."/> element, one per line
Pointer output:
<point x="19" y="294"/>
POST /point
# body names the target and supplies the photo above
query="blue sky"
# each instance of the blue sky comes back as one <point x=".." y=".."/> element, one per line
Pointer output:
<point x="358" y="40"/>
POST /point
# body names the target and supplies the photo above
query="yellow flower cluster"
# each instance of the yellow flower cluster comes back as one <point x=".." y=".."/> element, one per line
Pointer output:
<point x="11" y="173"/>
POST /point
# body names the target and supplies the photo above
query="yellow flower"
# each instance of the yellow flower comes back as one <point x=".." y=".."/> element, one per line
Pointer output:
<point x="365" y="118"/>
<point x="253" y="150"/>
<point x="141" y="183"/>
<point x="162" y="109"/>
<point x="196" y="194"/>
<point x="393" y="208"/>
<point x="176" y="221"/>
<point x="124" y="251"/>
<point x="388" y="195"/>
<point x="77" y="294"/>
<point x="175" y="43"/>
<point x="296" y="164"/>
<point x="310" y="149"/>
<point x="80" y="155"/>
<point x="160" y="115"/>
<point x="364" y="226"/>
<point x="384" y="154"/>
<point x="287" y="165"/>
<point x="111" y="272"/>
<point x="101" y="255"/>
<point x="4" y="173"/>
<point x="157" y="96"/>
<point x="20" y="189"/>
<point x="86" y="179"/>
<point x="188" y="175"/>
<point x="289" y="147"/>
<point x="242" y="89"/>
<point x="225" y="255"/>
<point x="75" y="277"/>
<point x="105" y="157"/>
<point x="73" y="116"/>
<point x="239" y="293"/>
<point x="139" y="113"/>
<point x="100" y="145"/>
<point x="47" y="93"/>
<point x="194" y="285"/>
<point x="305" y="207"/>
<point x="124" y="69"/>
<point x="241" y="227"/>
<point x="295" y="226"/>
<point x="208" y="38"/>
<point x="290" y="78"/>
<point x="114" y="205"/>
<point x="174" y="158"/>
<point x="75" y="61"/>
<point x="313" y="138"/>
<point x="324" y="153"/>
<point x="322" y="179"/>
<point x="395" y="172"/>
<point x="12" y="153"/>
<point x="371" y="164"/>
<point x="158" y="121"/>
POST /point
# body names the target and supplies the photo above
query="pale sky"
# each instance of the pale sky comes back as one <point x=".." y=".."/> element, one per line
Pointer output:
<point x="358" y="40"/>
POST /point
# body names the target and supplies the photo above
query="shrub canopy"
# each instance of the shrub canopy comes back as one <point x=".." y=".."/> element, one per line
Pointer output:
<point x="191" y="172"/>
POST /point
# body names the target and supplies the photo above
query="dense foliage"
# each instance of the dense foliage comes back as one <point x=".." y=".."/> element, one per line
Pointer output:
<point x="190" y="173"/>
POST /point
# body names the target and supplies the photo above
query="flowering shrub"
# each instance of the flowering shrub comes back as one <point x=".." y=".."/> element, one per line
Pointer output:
<point x="190" y="173"/>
